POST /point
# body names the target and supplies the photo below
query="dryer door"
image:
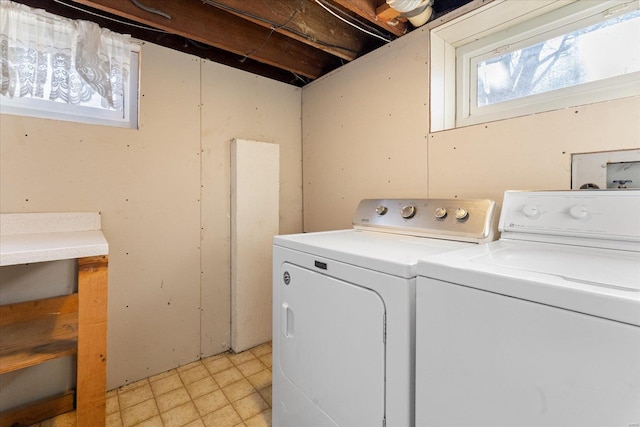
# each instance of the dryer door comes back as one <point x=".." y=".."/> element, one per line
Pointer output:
<point x="332" y="350"/>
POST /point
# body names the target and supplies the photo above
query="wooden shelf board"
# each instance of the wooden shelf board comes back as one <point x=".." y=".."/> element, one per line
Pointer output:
<point x="29" y="343"/>
<point x="33" y="332"/>
<point x="35" y="412"/>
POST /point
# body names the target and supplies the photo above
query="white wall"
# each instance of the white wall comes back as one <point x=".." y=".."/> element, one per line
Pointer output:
<point x="365" y="134"/>
<point x="163" y="192"/>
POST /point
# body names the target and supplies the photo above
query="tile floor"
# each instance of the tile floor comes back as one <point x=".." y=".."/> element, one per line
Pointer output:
<point x="225" y="390"/>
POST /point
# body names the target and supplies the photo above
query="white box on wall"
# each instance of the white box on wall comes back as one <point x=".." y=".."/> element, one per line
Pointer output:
<point x="255" y="216"/>
<point x="606" y="169"/>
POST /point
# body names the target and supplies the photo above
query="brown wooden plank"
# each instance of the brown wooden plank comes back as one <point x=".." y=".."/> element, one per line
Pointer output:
<point x="30" y="343"/>
<point x="213" y="26"/>
<point x="367" y="10"/>
<point x="305" y="21"/>
<point x="92" y="341"/>
<point x="35" y="412"/>
<point x="36" y="331"/>
<point x="386" y="13"/>
<point x="38" y="309"/>
<point x="172" y="41"/>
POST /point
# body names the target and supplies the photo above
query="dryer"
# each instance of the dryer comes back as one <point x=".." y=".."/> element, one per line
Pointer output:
<point x="540" y="328"/>
<point x="344" y="305"/>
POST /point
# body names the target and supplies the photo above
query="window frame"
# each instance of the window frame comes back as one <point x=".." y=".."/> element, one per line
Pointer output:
<point x="45" y="109"/>
<point x="456" y="50"/>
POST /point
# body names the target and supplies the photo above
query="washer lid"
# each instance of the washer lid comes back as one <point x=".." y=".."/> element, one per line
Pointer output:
<point x="393" y="254"/>
<point x="614" y="269"/>
<point x="600" y="282"/>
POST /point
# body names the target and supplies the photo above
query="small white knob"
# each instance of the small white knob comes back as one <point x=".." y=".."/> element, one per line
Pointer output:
<point x="381" y="210"/>
<point x="530" y="211"/>
<point x="461" y="213"/>
<point x="440" y="213"/>
<point x="408" y="211"/>
<point x="578" y="212"/>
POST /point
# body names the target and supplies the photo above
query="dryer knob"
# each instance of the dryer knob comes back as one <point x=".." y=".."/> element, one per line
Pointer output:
<point x="461" y="214"/>
<point x="408" y="211"/>
<point x="381" y="210"/>
<point x="440" y="213"/>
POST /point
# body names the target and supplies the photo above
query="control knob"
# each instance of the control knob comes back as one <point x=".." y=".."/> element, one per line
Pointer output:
<point x="461" y="214"/>
<point x="440" y="213"/>
<point x="381" y="210"/>
<point x="578" y="212"/>
<point x="408" y="211"/>
<point x="530" y="211"/>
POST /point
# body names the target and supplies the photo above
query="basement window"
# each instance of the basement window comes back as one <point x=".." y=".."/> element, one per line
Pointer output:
<point x="539" y="57"/>
<point x="57" y="68"/>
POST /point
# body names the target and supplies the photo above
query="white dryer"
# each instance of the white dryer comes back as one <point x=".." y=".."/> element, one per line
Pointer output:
<point x="343" y="310"/>
<point x="540" y="328"/>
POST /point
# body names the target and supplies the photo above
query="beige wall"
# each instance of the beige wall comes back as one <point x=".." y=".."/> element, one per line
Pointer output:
<point x="240" y="105"/>
<point x="527" y="153"/>
<point x="159" y="189"/>
<point x="365" y="134"/>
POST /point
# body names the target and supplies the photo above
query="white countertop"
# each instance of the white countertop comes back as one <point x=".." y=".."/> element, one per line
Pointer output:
<point x="38" y="237"/>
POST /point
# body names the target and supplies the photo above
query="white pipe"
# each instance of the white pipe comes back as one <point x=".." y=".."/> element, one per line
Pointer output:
<point x="417" y="12"/>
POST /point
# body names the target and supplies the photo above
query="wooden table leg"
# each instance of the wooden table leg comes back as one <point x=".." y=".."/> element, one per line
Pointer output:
<point x="92" y="341"/>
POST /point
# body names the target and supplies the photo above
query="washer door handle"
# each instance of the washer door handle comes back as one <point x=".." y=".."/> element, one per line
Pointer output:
<point x="286" y="321"/>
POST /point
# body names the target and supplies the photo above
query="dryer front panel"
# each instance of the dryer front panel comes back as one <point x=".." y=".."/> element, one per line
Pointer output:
<point x="332" y="351"/>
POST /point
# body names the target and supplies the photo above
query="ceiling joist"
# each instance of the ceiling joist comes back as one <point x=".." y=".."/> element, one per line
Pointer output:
<point x="367" y="9"/>
<point x="213" y="26"/>
<point x="303" y="20"/>
<point x="293" y="41"/>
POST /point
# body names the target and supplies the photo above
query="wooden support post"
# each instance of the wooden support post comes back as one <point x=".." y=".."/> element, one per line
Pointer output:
<point x="92" y="341"/>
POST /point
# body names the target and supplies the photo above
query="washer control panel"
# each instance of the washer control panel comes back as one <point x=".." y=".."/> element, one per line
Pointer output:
<point x="452" y="219"/>
<point x="602" y="214"/>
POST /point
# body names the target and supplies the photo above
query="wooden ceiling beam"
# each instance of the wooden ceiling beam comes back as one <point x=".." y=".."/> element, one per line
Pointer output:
<point x="303" y="20"/>
<point x="172" y="41"/>
<point x="205" y="24"/>
<point x="367" y="10"/>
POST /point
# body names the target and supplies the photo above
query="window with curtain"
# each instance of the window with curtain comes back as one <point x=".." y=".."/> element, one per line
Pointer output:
<point x="65" y="69"/>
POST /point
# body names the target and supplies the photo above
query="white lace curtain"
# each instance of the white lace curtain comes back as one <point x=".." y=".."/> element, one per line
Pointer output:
<point x="49" y="57"/>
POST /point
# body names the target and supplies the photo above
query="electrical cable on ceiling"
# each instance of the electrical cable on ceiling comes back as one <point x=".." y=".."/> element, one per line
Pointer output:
<point x="274" y="28"/>
<point x="151" y="9"/>
<point x="144" y="27"/>
<point x="371" y="33"/>
<point x="275" y="24"/>
<point x="197" y="44"/>
<point x="297" y="77"/>
<point x="355" y="20"/>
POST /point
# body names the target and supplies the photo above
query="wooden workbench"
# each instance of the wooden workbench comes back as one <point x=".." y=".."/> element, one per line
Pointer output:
<point x="33" y="332"/>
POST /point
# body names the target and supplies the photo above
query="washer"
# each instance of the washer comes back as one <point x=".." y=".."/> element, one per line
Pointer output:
<point x="343" y="310"/>
<point x="540" y="328"/>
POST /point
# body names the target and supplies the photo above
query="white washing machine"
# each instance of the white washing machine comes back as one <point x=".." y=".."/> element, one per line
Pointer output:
<point x="343" y="310"/>
<point x="540" y="328"/>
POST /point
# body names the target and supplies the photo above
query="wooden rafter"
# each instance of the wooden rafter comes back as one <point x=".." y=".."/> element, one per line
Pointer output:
<point x="215" y="27"/>
<point x="294" y="41"/>
<point x="367" y="10"/>
<point x="303" y="20"/>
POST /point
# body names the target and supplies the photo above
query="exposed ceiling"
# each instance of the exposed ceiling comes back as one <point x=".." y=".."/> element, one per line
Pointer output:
<point x="294" y="41"/>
